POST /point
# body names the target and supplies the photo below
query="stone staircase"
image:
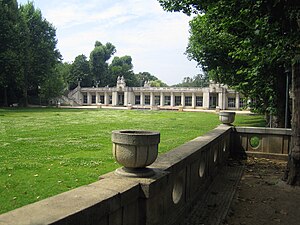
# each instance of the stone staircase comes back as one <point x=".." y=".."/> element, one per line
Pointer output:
<point x="69" y="98"/>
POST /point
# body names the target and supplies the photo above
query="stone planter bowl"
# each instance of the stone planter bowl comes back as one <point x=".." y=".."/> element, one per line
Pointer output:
<point x="135" y="148"/>
<point x="227" y="117"/>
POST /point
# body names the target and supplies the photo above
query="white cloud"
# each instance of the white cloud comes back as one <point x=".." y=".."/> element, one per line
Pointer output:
<point x="155" y="39"/>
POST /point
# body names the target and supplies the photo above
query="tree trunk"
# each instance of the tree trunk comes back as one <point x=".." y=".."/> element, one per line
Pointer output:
<point x="292" y="174"/>
<point x="5" y="97"/>
<point x="25" y="93"/>
<point x="279" y="118"/>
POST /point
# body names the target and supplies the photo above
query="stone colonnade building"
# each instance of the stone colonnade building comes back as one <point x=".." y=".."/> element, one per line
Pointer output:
<point x="212" y="97"/>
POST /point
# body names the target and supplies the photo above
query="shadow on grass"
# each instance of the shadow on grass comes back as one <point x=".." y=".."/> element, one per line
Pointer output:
<point x="250" y="121"/>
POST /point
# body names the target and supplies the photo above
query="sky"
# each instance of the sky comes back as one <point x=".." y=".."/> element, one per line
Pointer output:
<point x="156" y="40"/>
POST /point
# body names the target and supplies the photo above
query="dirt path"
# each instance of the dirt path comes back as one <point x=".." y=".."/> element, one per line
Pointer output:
<point x="262" y="198"/>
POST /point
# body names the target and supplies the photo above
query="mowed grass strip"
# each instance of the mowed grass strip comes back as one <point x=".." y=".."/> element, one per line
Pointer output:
<point x="44" y="152"/>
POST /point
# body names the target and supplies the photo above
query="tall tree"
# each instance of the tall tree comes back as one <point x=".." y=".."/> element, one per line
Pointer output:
<point x="40" y="53"/>
<point x="64" y="68"/>
<point x="10" y="66"/>
<point x="239" y="44"/>
<point x="157" y="83"/>
<point x="53" y="86"/>
<point x="122" y="66"/>
<point x="248" y="44"/>
<point x="98" y="62"/>
<point x="199" y="80"/>
<point x="80" y="71"/>
<point x="145" y="76"/>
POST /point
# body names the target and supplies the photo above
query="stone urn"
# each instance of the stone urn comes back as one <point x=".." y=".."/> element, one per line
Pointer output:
<point x="227" y="117"/>
<point x="135" y="150"/>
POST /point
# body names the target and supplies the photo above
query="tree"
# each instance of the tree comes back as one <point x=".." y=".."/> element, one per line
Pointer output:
<point x="40" y="55"/>
<point x="80" y="71"/>
<point x="145" y="76"/>
<point x="10" y="66"/>
<point x="53" y="86"/>
<point x="199" y="80"/>
<point x="157" y="83"/>
<point x="98" y="62"/>
<point x="64" y="72"/>
<point x="248" y="44"/>
<point x="238" y="44"/>
<point x="122" y="66"/>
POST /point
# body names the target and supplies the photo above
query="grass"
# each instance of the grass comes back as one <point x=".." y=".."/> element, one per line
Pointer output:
<point x="44" y="152"/>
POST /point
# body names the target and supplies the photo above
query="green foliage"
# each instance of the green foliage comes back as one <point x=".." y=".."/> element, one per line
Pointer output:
<point x="145" y="76"/>
<point x="28" y="53"/>
<point x="98" y="62"/>
<point x="245" y="44"/>
<point x="44" y="152"/>
<point x="122" y="66"/>
<point x="9" y="49"/>
<point x="100" y="72"/>
<point x="157" y="83"/>
<point x="200" y="80"/>
<point x="52" y="86"/>
<point x="80" y="71"/>
<point x="63" y="70"/>
<point x="40" y="49"/>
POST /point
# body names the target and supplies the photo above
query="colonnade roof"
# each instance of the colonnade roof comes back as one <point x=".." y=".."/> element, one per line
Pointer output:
<point x="154" y="89"/>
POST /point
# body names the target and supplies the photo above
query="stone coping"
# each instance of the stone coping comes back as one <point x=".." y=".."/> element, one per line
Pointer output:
<point x="263" y="130"/>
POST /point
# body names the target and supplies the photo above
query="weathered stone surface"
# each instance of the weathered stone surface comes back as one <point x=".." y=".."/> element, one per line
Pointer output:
<point x="135" y="149"/>
<point x="226" y="117"/>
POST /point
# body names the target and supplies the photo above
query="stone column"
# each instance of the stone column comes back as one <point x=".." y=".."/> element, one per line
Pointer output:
<point x="97" y="97"/>
<point x="193" y="100"/>
<point x="161" y="99"/>
<point x="142" y="99"/>
<point x="125" y="98"/>
<point x="237" y="100"/>
<point x="89" y="100"/>
<point x="182" y="99"/>
<point x="206" y="100"/>
<point x="106" y="98"/>
<point x="221" y="100"/>
<point x="114" y="98"/>
<point x="152" y="99"/>
<point x="172" y="99"/>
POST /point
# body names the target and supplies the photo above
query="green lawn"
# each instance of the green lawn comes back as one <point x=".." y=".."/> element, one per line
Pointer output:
<point x="44" y="152"/>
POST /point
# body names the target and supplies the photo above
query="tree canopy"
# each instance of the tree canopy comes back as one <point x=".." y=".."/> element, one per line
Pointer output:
<point x="245" y="44"/>
<point x="28" y="54"/>
<point x="98" y="62"/>
<point x="200" y="80"/>
<point x="253" y="46"/>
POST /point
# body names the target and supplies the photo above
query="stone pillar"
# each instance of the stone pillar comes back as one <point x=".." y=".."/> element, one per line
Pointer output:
<point x="89" y="98"/>
<point x="106" y="98"/>
<point x="142" y="99"/>
<point x="161" y="99"/>
<point x="206" y="100"/>
<point x="237" y="100"/>
<point x="193" y="100"/>
<point x="97" y="97"/>
<point x="152" y="99"/>
<point x="125" y="98"/>
<point x="114" y="98"/>
<point x="172" y="99"/>
<point x="221" y="100"/>
<point x="182" y="99"/>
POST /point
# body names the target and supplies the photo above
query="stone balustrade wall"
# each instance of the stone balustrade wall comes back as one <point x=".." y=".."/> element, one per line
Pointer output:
<point x="182" y="177"/>
<point x="262" y="141"/>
